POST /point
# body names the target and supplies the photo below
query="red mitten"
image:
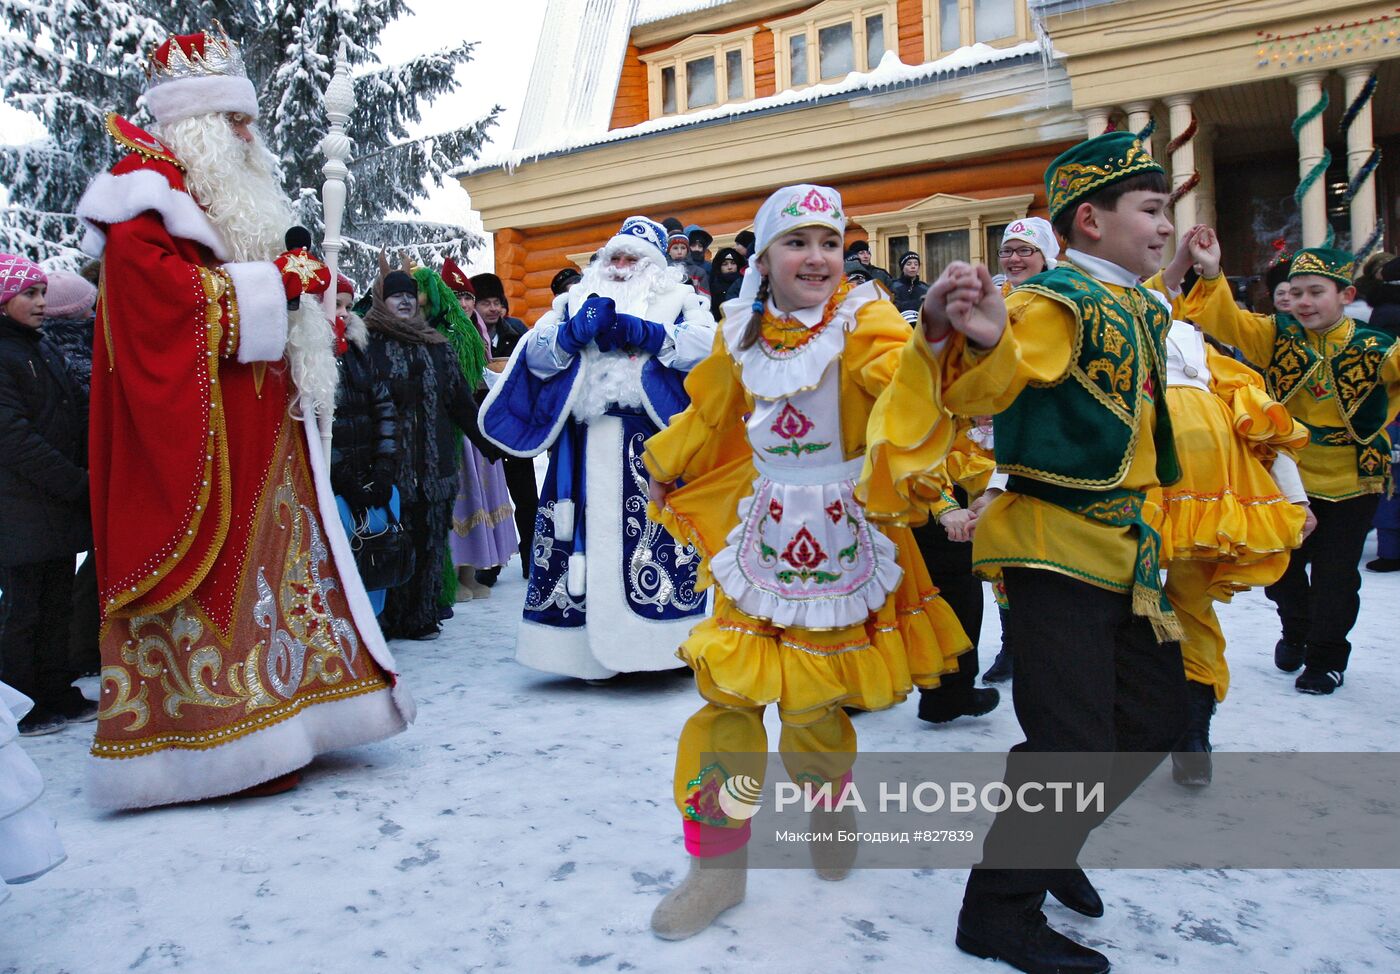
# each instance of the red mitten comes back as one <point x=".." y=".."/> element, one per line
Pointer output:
<point x="302" y="274"/>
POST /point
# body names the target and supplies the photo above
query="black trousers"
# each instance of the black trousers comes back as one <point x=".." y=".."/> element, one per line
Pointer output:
<point x="34" y="627"/>
<point x="1319" y="611"/>
<point x="84" y="654"/>
<point x="950" y="565"/>
<point x="1093" y="684"/>
<point x="525" y="496"/>
<point x="412" y="608"/>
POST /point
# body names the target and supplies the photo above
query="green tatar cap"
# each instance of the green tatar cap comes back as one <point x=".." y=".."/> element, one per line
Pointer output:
<point x="1079" y="172"/>
<point x="1339" y="265"/>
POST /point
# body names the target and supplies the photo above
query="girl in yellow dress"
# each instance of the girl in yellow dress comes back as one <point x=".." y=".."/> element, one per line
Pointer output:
<point x="815" y="608"/>
<point x="1233" y="517"/>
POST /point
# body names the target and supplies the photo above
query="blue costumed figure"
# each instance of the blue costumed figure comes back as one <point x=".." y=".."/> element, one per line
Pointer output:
<point x="610" y="590"/>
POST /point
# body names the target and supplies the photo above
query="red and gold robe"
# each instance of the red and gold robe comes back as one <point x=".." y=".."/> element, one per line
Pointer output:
<point x="237" y="640"/>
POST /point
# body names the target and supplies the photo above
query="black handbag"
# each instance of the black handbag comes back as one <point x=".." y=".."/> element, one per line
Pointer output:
<point x="384" y="555"/>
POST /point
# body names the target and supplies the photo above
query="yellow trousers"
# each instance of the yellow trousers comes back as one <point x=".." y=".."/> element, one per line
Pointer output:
<point x="1203" y="641"/>
<point x="721" y="740"/>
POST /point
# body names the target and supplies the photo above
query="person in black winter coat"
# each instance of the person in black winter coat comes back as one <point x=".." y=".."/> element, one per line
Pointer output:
<point x="365" y="443"/>
<point x="44" y="518"/>
<point x="430" y="395"/>
<point x="71" y="303"/>
<point x="909" y="290"/>
<point x="726" y="271"/>
<point x="860" y="250"/>
<point x="1382" y="292"/>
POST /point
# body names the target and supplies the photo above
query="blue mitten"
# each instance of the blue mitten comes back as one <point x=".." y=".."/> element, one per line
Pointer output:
<point x="596" y="315"/>
<point x="640" y="333"/>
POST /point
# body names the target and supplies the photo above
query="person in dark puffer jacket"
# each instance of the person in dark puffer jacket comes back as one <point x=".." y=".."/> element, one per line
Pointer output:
<point x="68" y="326"/>
<point x="365" y="443"/>
<point x="44" y="519"/>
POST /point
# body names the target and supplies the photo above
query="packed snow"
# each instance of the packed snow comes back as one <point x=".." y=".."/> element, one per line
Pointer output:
<point x="525" y="823"/>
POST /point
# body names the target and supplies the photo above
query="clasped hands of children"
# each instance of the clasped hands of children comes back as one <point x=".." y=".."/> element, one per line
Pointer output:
<point x="963" y="299"/>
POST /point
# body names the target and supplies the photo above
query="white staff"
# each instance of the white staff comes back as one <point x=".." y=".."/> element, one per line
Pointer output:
<point x="340" y="102"/>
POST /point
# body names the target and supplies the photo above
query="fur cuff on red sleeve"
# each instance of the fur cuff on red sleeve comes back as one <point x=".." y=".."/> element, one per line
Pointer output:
<point x="262" y="310"/>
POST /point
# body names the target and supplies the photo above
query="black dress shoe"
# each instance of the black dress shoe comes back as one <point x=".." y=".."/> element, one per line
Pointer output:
<point x="1000" y="670"/>
<point x="1288" y="656"/>
<point x="1076" y="892"/>
<point x="1383" y="565"/>
<point x="1314" y="679"/>
<point x="938" y="706"/>
<point x="1024" y="940"/>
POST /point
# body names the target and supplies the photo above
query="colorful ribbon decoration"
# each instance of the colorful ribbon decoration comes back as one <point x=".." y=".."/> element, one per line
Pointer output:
<point x="1367" y="168"/>
<point x="1193" y="180"/>
<point x="1320" y="169"/>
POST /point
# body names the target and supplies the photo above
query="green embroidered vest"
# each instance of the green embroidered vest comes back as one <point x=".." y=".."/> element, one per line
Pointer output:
<point x="1081" y="431"/>
<point x="1355" y="374"/>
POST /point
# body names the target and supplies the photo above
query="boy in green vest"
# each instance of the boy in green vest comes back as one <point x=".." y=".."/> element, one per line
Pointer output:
<point x="1342" y="381"/>
<point x="1076" y="385"/>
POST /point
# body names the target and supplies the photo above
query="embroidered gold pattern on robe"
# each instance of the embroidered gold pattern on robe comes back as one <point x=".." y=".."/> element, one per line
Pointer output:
<point x="180" y="683"/>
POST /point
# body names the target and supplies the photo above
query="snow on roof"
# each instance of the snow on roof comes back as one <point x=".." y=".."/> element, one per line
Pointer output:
<point x="577" y="65"/>
<point x="650" y="11"/>
<point x="889" y="72"/>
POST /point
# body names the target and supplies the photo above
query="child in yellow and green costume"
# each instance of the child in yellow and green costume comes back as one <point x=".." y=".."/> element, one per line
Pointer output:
<point x="1072" y="369"/>
<point x="815" y="608"/>
<point x="1341" y="381"/>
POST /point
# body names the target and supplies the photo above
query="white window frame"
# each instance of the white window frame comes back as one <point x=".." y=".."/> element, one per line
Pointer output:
<point x="693" y="48"/>
<point x="940" y="213"/>
<point x="967" y="28"/>
<point x="809" y="24"/>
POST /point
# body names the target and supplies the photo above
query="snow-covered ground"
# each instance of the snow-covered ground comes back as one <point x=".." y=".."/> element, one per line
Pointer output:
<point x="525" y="823"/>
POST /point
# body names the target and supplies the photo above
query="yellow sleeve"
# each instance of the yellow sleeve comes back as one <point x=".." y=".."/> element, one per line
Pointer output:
<point x="1178" y="303"/>
<point x="1212" y="306"/>
<point x="909" y="441"/>
<point x="873" y="349"/>
<point x="1035" y="347"/>
<point x="708" y="432"/>
<point x="968" y="464"/>
<point x="1390" y="375"/>
<point x="1265" y="424"/>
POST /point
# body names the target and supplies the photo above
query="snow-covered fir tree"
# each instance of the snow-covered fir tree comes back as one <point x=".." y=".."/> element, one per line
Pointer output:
<point x="71" y="62"/>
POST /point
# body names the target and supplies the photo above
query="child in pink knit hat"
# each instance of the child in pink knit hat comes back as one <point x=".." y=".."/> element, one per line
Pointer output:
<point x="44" y="518"/>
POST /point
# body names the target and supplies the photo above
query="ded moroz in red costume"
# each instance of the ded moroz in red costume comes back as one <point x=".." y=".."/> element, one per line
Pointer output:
<point x="237" y="640"/>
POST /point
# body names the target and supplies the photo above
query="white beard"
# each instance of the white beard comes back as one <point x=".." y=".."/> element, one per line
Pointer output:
<point x="616" y="377"/>
<point x="633" y="294"/>
<point x="239" y="186"/>
<point x="236" y="182"/>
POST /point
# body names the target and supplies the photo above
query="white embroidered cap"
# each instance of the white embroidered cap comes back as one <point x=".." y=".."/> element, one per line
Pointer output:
<point x="1038" y="233"/>
<point x="791" y="208"/>
<point x="794" y="207"/>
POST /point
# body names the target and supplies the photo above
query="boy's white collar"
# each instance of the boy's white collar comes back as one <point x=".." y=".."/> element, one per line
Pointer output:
<point x="1100" y="269"/>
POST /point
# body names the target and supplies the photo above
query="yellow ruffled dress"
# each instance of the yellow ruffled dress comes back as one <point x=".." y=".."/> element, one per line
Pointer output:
<point x="1227" y="508"/>
<point x="769" y="651"/>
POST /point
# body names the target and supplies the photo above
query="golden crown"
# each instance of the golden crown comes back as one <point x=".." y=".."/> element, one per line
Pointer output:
<point x="202" y="55"/>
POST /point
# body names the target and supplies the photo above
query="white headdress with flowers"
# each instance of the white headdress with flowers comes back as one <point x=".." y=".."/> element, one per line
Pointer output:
<point x="1038" y="233"/>
<point x="791" y="208"/>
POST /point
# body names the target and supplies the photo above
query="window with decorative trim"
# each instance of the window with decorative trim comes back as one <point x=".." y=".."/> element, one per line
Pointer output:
<point x="943" y="228"/>
<point x="832" y="39"/>
<point x="951" y="24"/>
<point x="700" y="72"/>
